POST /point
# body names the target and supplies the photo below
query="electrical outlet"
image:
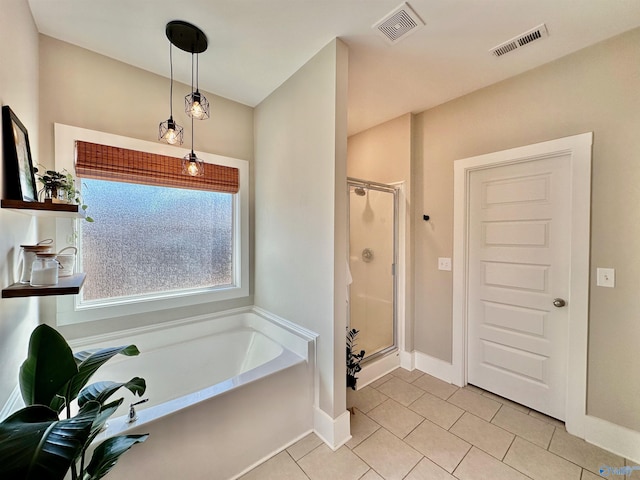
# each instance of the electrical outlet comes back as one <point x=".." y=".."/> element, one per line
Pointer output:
<point x="444" y="264"/>
<point x="606" y="277"/>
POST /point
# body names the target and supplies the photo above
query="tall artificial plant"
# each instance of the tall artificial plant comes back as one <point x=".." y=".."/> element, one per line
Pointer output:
<point x="353" y="358"/>
<point x="35" y="443"/>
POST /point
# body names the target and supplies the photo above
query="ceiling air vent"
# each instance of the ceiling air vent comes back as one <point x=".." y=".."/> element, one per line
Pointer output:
<point x="398" y="24"/>
<point x="520" y="41"/>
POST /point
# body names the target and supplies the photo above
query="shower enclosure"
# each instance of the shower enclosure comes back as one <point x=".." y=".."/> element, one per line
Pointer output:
<point x="373" y="212"/>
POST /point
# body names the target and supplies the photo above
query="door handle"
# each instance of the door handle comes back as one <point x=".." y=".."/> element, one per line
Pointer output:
<point x="559" y="302"/>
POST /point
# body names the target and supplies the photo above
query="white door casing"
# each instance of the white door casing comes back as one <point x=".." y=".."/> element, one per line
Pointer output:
<point x="518" y="247"/>
<point x="577" y="149"/>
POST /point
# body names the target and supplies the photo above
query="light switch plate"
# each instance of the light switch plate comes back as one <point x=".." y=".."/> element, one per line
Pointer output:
<point x="444" y="263"/>
<point x="605" y="277"/>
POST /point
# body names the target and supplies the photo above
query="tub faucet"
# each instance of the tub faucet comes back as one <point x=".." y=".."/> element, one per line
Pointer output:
<point x="133" y="416"/>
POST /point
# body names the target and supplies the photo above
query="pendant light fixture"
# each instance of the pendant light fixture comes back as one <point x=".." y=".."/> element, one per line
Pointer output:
<point x="189" y="38"/>
<point x="169" y="131"/>
<point x="196" y="104"/>
<point x="191" y="164"/>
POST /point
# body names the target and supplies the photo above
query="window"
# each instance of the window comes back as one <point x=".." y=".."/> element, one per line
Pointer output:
<point x="152" y="240"/>
<point x="153" y="247"/>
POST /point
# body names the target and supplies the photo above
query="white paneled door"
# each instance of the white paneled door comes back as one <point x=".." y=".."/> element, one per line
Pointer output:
<point x="518" y="281"/>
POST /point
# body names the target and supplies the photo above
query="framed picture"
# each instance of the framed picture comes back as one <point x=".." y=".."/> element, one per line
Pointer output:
<point x="19" y="180"/>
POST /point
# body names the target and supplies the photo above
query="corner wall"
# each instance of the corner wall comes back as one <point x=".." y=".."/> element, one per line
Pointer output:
<point x="300" y="178"/>
<point x="19" y="90"/>
<point x="595" y="90"/>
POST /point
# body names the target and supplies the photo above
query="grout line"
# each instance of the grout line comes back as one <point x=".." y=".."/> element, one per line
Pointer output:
<point x="509" y="448"/>
<point x="313" y="449"/>
<point x="452" y="394"/>
<point x="465" y="456"/>
<point x="413" y="429"/>
<point x="550" y="438"/>
<point x="296" y="462"/>
<point x="494" y="415"/>
<point x="415" y="466"/>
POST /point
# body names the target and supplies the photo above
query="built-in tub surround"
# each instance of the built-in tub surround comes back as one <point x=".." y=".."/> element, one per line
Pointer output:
<point x="225" y="392"/>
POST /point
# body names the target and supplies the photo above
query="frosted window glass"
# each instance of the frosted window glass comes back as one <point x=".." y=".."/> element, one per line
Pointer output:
<point x="149" y="240"/>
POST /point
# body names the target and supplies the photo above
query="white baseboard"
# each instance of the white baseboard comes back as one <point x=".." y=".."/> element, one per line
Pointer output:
<point x="408" y="360"/>
<point x="373" y="370"/>
<point x="615" y="438"/>
<point x="334" y="432"/>
<point x="435" y="367"/>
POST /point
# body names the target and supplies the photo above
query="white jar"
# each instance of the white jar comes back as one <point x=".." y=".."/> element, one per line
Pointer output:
<point x="29" y="253"/>
<point x="44" y="271"/>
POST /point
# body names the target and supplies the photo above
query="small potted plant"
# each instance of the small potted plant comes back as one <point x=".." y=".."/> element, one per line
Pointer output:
<point x="56" y="185"/>
<point x="353" y="362"/>
<point x="60" y="187"/>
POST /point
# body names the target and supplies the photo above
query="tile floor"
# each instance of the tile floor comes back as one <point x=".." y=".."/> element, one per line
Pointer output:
<point x="412" y="426"/>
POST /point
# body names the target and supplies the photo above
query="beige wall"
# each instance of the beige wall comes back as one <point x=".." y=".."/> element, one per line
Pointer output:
<point x="84" y="89"/>
<point x="383" y="154"/>
<point x="596" y="90"/>
<point x="19" y="90"/>
<point x="300" y="172"/>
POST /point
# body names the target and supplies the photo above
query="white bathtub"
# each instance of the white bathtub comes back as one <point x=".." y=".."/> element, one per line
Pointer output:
<point x="225" y="392"/>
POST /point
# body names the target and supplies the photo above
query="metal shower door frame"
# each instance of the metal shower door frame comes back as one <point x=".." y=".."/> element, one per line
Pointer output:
<point x="381" y="187"/>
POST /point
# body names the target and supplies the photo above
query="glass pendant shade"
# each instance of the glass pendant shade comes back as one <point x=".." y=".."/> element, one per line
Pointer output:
<point x="170" y="132"/>
<point x="196" y="105"/>
<point x="192" y="165"/>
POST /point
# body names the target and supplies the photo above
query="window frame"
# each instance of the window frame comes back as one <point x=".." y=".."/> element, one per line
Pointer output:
<point x="69" y="308"/>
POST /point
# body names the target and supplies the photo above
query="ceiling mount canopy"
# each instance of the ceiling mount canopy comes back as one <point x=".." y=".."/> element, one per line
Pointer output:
<point x="186" y="36"/>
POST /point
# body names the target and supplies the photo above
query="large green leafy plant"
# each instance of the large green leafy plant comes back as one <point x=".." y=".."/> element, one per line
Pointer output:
<point x="35" y="443"/>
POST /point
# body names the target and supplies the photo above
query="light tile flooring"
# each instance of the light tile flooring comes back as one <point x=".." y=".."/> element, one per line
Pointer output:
<point x="409" y="425"/>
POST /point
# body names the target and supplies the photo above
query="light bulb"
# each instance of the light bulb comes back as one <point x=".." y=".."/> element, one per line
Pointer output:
<point x="196" y="110"/>
<point x="170" y="132"/>
<point x="193" y="169"/>
<point x="171" y="136"/>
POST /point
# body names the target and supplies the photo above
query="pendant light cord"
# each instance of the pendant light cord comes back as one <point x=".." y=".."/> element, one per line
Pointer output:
<point x="171" y="83"/>
<point x="191" y="91"/>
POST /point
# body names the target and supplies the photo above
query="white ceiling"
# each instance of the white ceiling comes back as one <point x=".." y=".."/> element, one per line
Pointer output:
<point x="255" y="45"/>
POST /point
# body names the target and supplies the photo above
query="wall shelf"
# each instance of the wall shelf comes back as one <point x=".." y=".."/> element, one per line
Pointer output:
<point x="44" y="209"/>
<point x="66" y="286"/>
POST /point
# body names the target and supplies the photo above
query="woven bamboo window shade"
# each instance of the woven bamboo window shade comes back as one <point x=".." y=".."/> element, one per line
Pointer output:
<point x="103" y="162"/>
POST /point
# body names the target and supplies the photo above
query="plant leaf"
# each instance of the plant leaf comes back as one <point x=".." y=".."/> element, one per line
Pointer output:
<point x="48" y="367"/>
<point x="101" y="391"/>
<point x="34" y="444"/>
<point x="105" y="412"/>
<point x="88" y="361"/>
<point x="19" y="433"/>
<point x="107" y="453"/>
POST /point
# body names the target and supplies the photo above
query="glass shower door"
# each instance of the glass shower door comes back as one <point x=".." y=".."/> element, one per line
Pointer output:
<point x="372" y="227"/>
